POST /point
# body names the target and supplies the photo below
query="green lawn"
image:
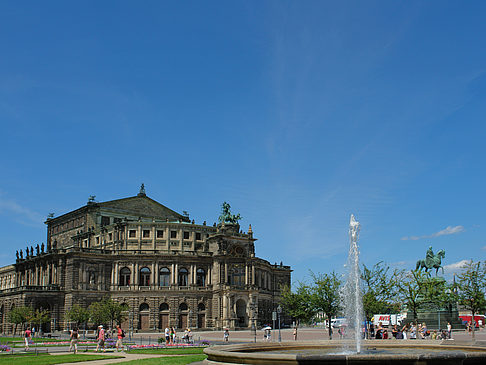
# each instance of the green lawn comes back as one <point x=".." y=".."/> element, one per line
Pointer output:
<point x="175" y="360"/>
<point x="50" y="359"/>
<point x="35" y="339"/>
<point x="180" y="351"/>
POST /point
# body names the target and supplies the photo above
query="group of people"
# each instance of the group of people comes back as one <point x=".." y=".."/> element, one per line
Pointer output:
<point x="170" y="336"/>
<point x="410" y="331"/>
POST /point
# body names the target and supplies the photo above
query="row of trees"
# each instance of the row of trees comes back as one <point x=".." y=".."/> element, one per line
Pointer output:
<point x="23" y="315"/>
<point x="105" y="311"/>
<point x="388" y="291"/>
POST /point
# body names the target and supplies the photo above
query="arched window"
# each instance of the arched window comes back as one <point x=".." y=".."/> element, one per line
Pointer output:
<point x="183" y="307"/>
<point x="201" y="307"/>
<point x="200" y="277"/>
<point x="183" y="277"/>
<point x="164" y="307"/>
<point x="164" y="277"/>
<point x="144" y="307"/>
<point x="144" y="276"/>
<point x="124" y="276"/>
<point x="91" y="276"/>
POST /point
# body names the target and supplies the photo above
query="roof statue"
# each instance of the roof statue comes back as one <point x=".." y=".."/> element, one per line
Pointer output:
<point x="142" y="189"/>
<point x="226" y="216"/>
<point x="432" y="261"/>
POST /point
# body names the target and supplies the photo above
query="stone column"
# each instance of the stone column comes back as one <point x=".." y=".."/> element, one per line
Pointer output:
<point x="153" y="238"/>
<point x="252" y="274"/>
<point x="133" y="276"/>
<point x="225" y="277"/>
<point x="152" y="282"/>
<point x="172" y="271"/>
<point x="246" y="274"/>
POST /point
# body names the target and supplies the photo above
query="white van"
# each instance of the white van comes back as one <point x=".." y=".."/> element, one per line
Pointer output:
<point x="338" y="322"/>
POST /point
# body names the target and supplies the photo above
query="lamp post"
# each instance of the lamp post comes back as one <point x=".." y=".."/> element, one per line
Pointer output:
<point x="253" y="326"/>
<point x="130" y="325"/>
<point x="279" y="311"/>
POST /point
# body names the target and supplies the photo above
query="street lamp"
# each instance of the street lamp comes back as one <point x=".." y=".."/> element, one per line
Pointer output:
<point x="130" y="320"/>
<point x="253" y="313"/>
<point x="279" y="311"/>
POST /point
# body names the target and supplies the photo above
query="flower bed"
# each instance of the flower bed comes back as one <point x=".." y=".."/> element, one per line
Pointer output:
<point x="170" y="346"/>
<point x="5" y="348"/>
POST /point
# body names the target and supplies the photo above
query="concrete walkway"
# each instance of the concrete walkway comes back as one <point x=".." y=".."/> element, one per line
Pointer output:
<point x="126" y="357"/>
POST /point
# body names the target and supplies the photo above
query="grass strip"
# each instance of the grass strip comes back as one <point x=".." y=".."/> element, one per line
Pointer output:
<point x="50" y="360"/>
<point x="176" y="360"/>
<point x="180" y="351"/>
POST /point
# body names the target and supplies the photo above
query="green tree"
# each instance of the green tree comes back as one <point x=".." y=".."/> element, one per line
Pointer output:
<point x="21" y="315"/>
<point x="471" y="286"/>
<point x="107" y="311"/>
<point x="325" y="295"/>
<point x="380" y="289"/>
<point x="78" y="314"/>
<point x="97" y="313"/>
<point x="298" y="305"/>
<point x="117" y="312"/>
<point x="411" y="290"/>
<point x="39" y="317"/>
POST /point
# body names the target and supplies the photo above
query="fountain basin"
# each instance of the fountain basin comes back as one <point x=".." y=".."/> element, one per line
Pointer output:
<point x="403" y="352"/>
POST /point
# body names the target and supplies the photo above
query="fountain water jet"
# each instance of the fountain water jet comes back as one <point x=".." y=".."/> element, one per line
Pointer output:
<point x="403" y="352"/>
<point x="353" y="301"/>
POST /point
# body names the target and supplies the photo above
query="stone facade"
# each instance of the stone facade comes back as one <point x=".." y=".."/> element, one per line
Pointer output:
<point x="169" y="270"/>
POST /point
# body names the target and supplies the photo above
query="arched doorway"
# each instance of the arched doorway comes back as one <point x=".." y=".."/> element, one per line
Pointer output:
<point x="183" y="311"/>
<point x="46" y="326"/>
<point x="201" y="315"/>
<point x="241" y="313"/>
<point x="163" y="316"/>
<point x="143" y="322"/>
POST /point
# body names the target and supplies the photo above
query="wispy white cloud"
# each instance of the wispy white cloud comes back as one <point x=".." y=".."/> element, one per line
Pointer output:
<point x="444" y="232"/>
<point x="455" y="267"/>
<point x="22" y="214"/>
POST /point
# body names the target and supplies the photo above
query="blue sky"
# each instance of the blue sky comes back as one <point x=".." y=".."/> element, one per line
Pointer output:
<point x="297" y="113"/>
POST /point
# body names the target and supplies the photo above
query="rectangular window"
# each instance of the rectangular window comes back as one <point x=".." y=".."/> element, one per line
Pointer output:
<point x="186" y="235"/>
<point x="110" y="236"/>
<point x="173" y="234"/>
<point x="160" y="233"/>
<point x="146" y="233"/>
<point x="105" y="221"/>
<point x="97" y="240"/>
<point x="132" y="233"/>
<point x="198" y="236"/>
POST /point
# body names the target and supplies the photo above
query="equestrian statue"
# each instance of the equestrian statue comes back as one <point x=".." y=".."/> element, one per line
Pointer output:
<point x="432" y="261"/>
<point x="226" y="216"/>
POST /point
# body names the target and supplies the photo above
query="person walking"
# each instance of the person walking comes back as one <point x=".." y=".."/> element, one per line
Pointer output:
<point x="119" y="341"/>
<point x="449" y="330"/>
<point x="295" y="334"/>
<point x="226" y="335"/>
<point x="172" y="335"/>
<point x="167" y="335"/>
<point x="101" y="339"/>
<point x="74" y="340"/>
<point x="27" y="335"/>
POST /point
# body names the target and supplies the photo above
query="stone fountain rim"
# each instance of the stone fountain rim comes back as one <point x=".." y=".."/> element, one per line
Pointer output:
<point x="242" y="353"/>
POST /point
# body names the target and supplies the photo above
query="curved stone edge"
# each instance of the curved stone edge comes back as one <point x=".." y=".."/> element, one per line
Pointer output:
<point x="243" y="353"/>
